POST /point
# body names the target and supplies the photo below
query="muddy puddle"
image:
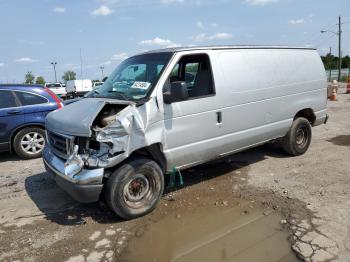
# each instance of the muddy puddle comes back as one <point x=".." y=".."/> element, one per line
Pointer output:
<point x="238" y="233"/>
<point x="343" y="140"/>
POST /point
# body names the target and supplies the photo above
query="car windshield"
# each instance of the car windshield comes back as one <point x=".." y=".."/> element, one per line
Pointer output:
<point x="134" y="78"/>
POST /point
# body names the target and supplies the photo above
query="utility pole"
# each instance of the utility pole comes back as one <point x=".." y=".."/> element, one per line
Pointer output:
<point x="102" y="67"/>
<point x="339" y="44"/>
<point x="339" y="39"/>
<point x="54" y="69"/>
<point x="81" y="65"/>
<point x="330" y="65"/>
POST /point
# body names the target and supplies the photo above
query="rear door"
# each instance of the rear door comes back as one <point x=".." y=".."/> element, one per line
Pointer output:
<point x="35" y="107"/>
<point x="11" y="116"/>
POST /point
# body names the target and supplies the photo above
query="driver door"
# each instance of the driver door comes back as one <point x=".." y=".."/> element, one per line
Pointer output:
<point x="191" y="125"/>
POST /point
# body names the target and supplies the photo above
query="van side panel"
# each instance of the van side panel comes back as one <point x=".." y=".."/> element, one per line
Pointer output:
<point x="262" y="90"/>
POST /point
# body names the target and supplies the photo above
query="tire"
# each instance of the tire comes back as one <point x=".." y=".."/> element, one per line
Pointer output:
<point x="29" y="142"/>
<point x="297" y="141"/>
<point x="123" y="192"/>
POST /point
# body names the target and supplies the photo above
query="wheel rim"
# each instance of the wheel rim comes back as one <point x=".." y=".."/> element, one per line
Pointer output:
<point x="138" y="190"/>
<point x="301" y="136"/>
<point x="32" y="143"/>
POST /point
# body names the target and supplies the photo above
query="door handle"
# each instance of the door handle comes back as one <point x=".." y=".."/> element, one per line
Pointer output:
<point x="219" y="118"/>
<point x="14" y="112"/>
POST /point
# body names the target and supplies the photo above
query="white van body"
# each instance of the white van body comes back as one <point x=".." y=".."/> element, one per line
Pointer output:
<point x="79" y="87"/>
<point x="205" y="103"/>
<point x="258" y="91"/>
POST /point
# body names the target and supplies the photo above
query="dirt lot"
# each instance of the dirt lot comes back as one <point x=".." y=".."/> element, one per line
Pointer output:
<point x="241" y="208"/>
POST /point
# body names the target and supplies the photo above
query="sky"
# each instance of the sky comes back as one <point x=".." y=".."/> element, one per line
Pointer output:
<point x="34" y="33"/>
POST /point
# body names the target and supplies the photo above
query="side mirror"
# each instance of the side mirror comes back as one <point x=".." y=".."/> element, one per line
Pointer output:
<point x="176" y="91"/>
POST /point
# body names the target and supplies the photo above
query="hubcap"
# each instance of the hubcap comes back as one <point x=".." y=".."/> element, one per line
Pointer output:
<point x="32" y="143"/>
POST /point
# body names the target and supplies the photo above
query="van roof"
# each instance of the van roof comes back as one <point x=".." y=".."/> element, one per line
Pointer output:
<point x="221" y="47"/>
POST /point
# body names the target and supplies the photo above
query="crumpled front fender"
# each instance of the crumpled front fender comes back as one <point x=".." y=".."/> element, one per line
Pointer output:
<point x="132" y="129"/>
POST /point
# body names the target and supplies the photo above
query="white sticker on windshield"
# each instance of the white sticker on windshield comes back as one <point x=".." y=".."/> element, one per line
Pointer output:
<point x="141" y="85"/>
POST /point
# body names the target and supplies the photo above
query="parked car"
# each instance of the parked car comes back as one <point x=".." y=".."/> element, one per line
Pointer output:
<point x="76" y="88"/>
<point x="168" y="110"/>
<point x="58" y="88"/>
<point x="96" y="84"/>
<point x="23" y="109"/>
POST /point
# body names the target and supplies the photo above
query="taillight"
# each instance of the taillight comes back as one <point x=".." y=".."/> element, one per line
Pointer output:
<point x="55" y="97"/>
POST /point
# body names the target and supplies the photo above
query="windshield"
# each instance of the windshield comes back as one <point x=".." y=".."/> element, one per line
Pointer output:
<point x="134" y="78"/>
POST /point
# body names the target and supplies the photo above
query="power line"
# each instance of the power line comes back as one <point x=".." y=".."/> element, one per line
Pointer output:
<point x="325" y="41"/>
<point x="317" y="36"/>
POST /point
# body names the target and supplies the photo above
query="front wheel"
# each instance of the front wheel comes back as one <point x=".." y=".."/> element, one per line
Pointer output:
<point x="135" y="188"/>
<point x="297" y="141"/>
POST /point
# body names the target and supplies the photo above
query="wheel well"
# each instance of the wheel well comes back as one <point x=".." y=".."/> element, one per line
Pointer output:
<point x="307" y="113"/>
<point x="154" y="152"/>
<point x="14" y="133"/>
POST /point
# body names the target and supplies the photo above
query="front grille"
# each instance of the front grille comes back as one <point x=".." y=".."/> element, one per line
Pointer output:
<point x="61" y="145"/>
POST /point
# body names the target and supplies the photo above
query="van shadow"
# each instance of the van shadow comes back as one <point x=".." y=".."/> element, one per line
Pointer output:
<point x="58" y="207"/>
<point x="225" y="165"/>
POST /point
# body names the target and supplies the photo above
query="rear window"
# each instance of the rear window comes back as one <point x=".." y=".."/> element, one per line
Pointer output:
<point x="53" y="85"/>
<point x="28" y="99"/>
<point x="7" y="99"/>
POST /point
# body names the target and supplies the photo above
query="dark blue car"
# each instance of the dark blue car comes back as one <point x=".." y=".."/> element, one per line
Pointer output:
<point x="23" y="109"/>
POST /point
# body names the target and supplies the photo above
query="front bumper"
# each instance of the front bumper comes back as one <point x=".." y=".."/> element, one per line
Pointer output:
<point x="85" y="186"/>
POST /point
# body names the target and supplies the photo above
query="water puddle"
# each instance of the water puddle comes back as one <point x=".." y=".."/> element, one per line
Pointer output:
<point x="343" y="140"/>
<point x="239" y="233"/>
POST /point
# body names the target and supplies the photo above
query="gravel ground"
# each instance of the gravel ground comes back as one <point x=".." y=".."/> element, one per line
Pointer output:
<point x="320" y="179"/>
<point x="39" y="222"/>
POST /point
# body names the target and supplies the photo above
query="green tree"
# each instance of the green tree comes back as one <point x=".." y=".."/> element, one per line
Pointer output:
<point x="40" y="80"/>
<point x="29" y="78"/>
<point x="345" y="62"/>
<point x="69" y="75"/>
<point x="331" y="61"/>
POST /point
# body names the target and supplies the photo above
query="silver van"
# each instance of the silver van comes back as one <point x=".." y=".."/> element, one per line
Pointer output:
<point x="172" y="109"/>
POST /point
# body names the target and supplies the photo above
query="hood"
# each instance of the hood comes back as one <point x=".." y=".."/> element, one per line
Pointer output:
<point x="76" y="118"/>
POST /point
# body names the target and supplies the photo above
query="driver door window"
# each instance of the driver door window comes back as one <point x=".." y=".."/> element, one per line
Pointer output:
<point x="195" y="71"/>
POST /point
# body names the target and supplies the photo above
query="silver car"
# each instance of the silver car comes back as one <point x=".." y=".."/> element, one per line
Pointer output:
<point x="167" y="110"/>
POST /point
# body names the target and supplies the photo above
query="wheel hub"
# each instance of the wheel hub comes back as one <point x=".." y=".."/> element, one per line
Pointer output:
<point x="32" y="143"/>
<point x="300" y="137"/>
<point x="137" y="188"/>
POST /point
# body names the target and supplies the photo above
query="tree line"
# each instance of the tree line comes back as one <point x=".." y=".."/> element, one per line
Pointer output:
<point x="331" y="61"/>
<point x="30" y="79"/>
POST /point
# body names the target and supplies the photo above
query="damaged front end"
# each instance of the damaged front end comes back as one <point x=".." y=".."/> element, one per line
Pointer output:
<point x="115" y="135"/>
<point x="115" y="131"/>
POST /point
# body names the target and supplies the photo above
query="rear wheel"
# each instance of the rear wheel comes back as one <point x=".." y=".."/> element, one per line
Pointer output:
<point x="297" y="141"/>
<point x="29" y="142"/>
<point x="135" y="188"/>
